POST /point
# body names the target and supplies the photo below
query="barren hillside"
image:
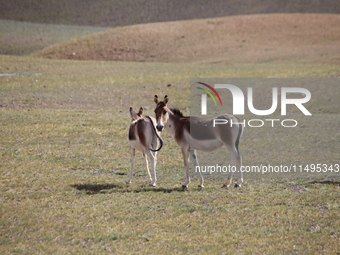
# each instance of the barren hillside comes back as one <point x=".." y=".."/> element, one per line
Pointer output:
<point x="239" y="39"/>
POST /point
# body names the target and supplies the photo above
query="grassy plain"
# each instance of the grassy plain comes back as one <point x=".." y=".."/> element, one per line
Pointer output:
<point x="65" y="156"/>
<point x="24" y="38"/>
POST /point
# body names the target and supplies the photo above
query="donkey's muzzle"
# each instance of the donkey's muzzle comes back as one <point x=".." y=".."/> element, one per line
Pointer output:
<point x="159" y="128"/>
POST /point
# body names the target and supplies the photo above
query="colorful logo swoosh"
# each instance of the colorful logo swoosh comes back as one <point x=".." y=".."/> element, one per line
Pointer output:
<point x="209" y="93"/>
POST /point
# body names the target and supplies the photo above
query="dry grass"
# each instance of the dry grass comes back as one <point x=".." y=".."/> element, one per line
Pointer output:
<point x="64" y="154"/>
<point x="272" y="38"/>
<point x="64" y="160"/>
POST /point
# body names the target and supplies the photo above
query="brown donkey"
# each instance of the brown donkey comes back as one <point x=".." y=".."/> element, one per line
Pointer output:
<point x="202" y="136"/>
<point x="144" y="137"/>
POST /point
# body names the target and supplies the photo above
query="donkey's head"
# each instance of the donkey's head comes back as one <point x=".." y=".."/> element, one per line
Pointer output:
<point x="134" y="115"/>
<point x="162" y="112"/>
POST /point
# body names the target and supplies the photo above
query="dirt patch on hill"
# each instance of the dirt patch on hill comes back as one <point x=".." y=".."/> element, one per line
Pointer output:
<point x="303" y="38"/>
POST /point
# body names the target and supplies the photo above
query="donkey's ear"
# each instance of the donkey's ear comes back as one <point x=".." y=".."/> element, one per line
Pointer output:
<point x="155" y="98"/>
<point x="133" y="114"/>
<point x="140" y="113"/>
<point x="166" y="99"/>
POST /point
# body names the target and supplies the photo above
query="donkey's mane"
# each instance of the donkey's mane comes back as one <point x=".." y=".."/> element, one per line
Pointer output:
<point x="178" y="113"/>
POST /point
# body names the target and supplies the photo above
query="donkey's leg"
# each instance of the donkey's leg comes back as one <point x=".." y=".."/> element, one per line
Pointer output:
<point x="147" y="165"/>
<point x="232" y="169"/>
<point x="185" y="153"/>
<point x="195" y="160"/>
<point x="236" y="167"/>
<point x="152" y="158"/>
<point x="239" y="170"/>
<point x="132" y="164"/>
<point x="230" y="177"/>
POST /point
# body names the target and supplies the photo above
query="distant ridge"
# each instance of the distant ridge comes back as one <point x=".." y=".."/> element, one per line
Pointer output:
<point x="273" y="38"/>
<point x="112" y="13"/>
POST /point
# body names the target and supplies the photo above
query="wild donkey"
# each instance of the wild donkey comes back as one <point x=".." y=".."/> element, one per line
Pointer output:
<point x="144" y="137"/>
<point x="202" y="136"/>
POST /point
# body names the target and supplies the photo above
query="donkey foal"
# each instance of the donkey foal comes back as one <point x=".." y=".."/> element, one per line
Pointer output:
<point x="144" y="137"/>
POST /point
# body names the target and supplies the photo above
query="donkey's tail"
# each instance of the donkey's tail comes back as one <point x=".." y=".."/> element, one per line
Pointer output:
<point x="159" y="138"/>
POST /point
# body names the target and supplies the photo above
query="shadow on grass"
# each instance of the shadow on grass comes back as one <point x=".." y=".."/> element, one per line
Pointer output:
<point x="93" y="188"/>
<point x="329" y="182"/>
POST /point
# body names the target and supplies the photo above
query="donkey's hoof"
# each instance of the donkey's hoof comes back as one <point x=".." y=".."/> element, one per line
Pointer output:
<point x="201" y="186"/>
<point x="225" y="186"/>
<point x="152" y="184"/>
<point x="237" y="185"/>
<point x="184" y="186"/>
<point x="128" y="182"/>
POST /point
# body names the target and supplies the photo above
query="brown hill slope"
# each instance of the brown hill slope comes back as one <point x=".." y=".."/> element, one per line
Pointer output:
<point x="111" y="13"/>
<point x="240" y="39"/>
